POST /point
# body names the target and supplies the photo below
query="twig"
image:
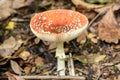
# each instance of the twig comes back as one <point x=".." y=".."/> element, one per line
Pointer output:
<point x="94" y="19"/>
<point x="71" y="65"/>
<point x="54" y="77"/>
<point x="37" y="77"/>
<point x="91" y="22"/>
<point x="109" y="64"/>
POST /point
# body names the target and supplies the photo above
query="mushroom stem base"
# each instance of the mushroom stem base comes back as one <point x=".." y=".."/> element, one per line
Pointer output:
<point x="60" y="54"/>
<point x="61" y="67"/>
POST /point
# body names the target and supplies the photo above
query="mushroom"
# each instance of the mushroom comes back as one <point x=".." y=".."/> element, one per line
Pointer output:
<point x="58" y="26"/>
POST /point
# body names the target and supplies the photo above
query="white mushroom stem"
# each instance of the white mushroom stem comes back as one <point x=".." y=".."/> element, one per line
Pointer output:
<point x="60" y="54"/>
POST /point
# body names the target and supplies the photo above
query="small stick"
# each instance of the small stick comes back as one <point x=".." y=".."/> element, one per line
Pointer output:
<point x="54" y="77"/>
<point x="71" y="65"/>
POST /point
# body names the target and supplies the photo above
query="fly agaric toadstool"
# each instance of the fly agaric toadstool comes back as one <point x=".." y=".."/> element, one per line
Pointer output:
<point x="58" y="26"/>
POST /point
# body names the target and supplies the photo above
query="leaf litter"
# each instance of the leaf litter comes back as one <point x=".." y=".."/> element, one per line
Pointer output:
<point x="9" y="46"/>
<point x="95" y="56"/>
<point x="7" y="7"/>
<point x="15" y="67"/>
<point x="108" y="28"/>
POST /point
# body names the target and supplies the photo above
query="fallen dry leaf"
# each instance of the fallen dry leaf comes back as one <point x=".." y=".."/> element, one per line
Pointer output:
<point x="33" y="69"/>
<point x="52" y="45"/>
<point x="10" y="25"/>
<point x="84" y="4"/>
<point x="108" y="29"/>
<point x="116" y="46"/>
<point x="82" y="38"/>
<point x="13" y="76"/>
<point x="24" y="55"/>
<point x="37" y="40"/>
<point x="91" y="58"/>
<point x="6" y="12"/>
<point x="27" y="69"/>
<point x="107" y="7"/>
<point x="95" y="58"/>
<point x="92" y="37"/>
<point x="81" y="59"/>
<point x="3" y="61"/>
<point x="20" y="3"/>
<point x="7" y="7"/>
<point x="118" y="66"/>
<point x="39" y="61"/>
<point x="9" y="46"/>
<point x="15" y="67"/>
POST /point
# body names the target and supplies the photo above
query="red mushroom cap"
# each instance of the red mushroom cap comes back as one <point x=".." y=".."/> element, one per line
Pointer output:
<point x="58" y="25"/>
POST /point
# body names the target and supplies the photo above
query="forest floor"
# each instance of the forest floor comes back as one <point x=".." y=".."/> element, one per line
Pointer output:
<point x="95" y="53"/>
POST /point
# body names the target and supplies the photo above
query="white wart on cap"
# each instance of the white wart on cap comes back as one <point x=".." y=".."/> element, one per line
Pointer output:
<point x="58" y="25"/>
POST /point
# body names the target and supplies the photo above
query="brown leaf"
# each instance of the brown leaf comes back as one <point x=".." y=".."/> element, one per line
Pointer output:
<point x="116" y="46"/>
<point x="92" y="37"/>
<point x="24" y="55"/>
<point x="107" y="7"/>
<point x="3" y="61"/>
<point x="6" y="12"/>
<point x="7" y="7"/>
<point x="27" y="69"/>
<point x="39" y="61"/>
<point x="15" y="67"/>
<point x="91" y="58"/>
<point x="20" y="3"/>
<point x="86" y="5"/>
<point x="33" y="69"/>
<point x="108" y="29"/>
<point x="52" y="45"/>
<point x="82" y="38"/>
<point x="9" y="46"/>
<point x="37" y="40"/>
<point x="118" y="66"/>
<point x="13" y="76"/>
<point x="95" y="58"/>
